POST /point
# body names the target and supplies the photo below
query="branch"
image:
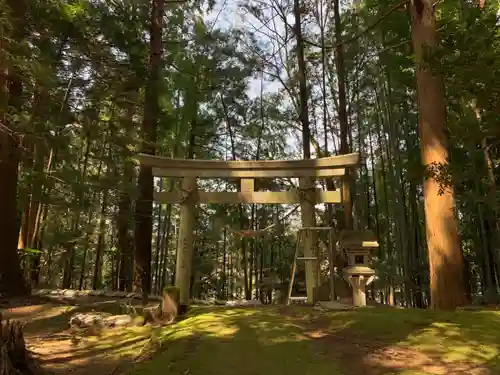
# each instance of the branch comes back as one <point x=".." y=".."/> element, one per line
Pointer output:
<point x="365" y="30"/>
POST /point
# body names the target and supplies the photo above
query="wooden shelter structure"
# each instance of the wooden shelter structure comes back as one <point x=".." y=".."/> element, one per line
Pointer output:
<point x="188" y="196"/>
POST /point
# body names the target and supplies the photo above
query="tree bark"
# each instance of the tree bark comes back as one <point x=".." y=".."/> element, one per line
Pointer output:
<point x="144" y="205"/>
<point x="123" y="225"/>
<point x="308" y="213"/>
<point x="97" y="279"/>
<point x="70" y="247"/>
<point x="11" y="277"/>
<point x="343" y="122"/>
<point x="447" y="283"/>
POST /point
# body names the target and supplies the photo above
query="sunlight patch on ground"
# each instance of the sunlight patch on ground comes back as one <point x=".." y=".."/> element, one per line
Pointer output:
<point x="29" y="314"/>
<point x="212" y="324"/>
<point x="253" y="341"/>
<point x="244" y="341"/>
<point x="472" y="337"/>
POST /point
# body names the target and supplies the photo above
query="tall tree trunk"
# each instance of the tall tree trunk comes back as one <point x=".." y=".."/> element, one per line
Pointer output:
<point x="144" y="205"/>
<point x="246" y="258"/>
<point x="11" y="277"/>
<point x="123" y="225"/>
<point x="99" y="250"/>
<point x="308" y="213"/>
<point x="35" y="269"/>
<point x="343" y="121"/>
<point x="70" y="247"/>
<point x="90" y="215"/>
<point x="447" y="282"/>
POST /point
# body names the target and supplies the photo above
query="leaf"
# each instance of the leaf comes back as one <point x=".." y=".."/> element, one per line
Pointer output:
<point x="30" y="251"/>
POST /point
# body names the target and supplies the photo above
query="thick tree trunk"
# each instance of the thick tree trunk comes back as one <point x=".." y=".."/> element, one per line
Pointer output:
<point x="11" y="277"/>
<point x="446" y="263"/>
<point x="144" y="205"/>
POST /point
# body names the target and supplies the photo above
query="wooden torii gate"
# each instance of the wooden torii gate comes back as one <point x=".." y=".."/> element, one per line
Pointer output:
<point x="247" y="171"/>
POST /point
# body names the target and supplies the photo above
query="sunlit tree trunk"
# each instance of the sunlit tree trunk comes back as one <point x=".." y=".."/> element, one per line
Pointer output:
<point x="446" y="263"/>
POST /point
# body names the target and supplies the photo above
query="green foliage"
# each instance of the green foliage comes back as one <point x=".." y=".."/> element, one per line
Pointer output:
<point x="231" y="93"/>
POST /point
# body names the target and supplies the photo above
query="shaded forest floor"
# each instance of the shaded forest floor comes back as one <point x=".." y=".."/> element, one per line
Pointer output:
<point x="266" y="340"/>
<point x="60" y="351"/>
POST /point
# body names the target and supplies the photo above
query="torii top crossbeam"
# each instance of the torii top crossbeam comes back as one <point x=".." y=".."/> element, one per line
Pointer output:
<point x="247" y="171"/>
<point x="332" y="166"/>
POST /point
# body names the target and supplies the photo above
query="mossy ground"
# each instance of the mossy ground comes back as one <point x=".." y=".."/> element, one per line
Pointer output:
<point x="298" y="340"/>
<point x="271" y="340"/>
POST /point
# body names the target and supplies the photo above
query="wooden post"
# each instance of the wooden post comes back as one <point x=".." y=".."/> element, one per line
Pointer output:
<point x="185" y="243"/>
<point x="247" y="185"/>
<point x="332" y="252"/>
<point x="308" y="214"/>
<point x="294" y="269"/>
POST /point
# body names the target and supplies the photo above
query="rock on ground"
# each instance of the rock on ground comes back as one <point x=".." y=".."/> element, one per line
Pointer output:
<point x="99" y="320"/>
<point x="252" y="302"/>
<point x="331" y="305"/>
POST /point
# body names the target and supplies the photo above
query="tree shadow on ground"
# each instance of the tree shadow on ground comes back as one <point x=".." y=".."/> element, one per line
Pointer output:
<point x="410" y="340"/>
<point x="299" y="341"/>
<point x="60" y="350"/>
<point x="25" y="303"/>
<point x="54" y="318"/>
<point x="101" y="354"/>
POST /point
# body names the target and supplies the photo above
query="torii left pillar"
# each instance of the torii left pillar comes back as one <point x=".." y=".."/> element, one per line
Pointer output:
<point x="185" y="243"/>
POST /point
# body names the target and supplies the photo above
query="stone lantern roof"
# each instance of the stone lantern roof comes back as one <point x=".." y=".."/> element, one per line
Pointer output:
<point x="358" y="240"/>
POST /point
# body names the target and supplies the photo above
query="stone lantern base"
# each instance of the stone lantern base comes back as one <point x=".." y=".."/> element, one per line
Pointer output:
<point x="359" y="277"/>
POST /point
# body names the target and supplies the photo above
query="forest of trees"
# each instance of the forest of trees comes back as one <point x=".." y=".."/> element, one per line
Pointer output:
<point x="413" y="86"/>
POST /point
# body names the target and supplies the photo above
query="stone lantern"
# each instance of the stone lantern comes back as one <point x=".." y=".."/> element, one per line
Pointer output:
<point x="358" y="246"/>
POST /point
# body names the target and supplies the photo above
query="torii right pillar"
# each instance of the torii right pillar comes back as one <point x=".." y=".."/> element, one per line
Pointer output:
<point x="358" y="247"/>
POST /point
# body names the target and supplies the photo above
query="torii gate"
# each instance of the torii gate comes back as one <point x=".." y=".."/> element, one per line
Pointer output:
<point x="247" y="171"/>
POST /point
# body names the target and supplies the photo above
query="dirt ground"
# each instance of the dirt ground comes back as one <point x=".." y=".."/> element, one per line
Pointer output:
<point x="60" y="351"/>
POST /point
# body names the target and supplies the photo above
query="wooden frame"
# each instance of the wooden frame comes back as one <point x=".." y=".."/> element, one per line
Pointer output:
<point x="249" y="197"/>
<point x="188" y="194"/>
<point x="168" y="167"/>
<point x="247" y="171"/>
<point x="296" y="257"/>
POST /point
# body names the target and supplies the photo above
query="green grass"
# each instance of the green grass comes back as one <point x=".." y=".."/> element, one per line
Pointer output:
<point x="224" y="341"/>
